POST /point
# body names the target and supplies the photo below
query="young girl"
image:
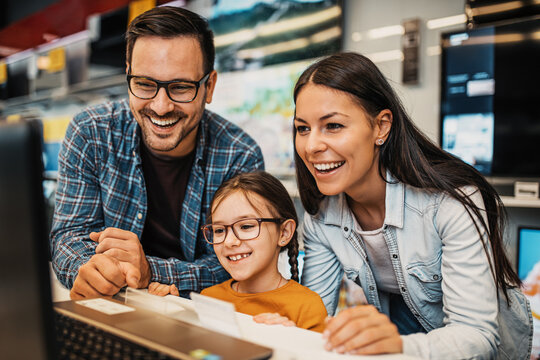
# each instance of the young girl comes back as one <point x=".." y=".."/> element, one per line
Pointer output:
<point x="253" y="219"/>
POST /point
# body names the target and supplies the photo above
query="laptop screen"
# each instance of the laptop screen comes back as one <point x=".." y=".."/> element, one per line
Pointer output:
<point x="25" y="301"/>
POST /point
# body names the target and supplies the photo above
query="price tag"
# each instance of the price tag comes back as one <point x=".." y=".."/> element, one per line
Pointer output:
<point x="57" y="60"/>
<point x="3" y="72"/>
<point x="137" y="7"/>
<point x="216" y="314"/>
<point x="105" y="306"/>
<point x="13" y="118"/>
<point x="54" y="128"/>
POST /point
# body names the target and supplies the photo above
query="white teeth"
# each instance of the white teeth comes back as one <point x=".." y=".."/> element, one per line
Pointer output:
<point x="163" y="122"/>
<point x="238" y="257"/>
<point x="328" y="166"/>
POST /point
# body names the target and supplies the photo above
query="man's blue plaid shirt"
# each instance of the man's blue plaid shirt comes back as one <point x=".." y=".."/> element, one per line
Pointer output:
<point x="101" y="184"/>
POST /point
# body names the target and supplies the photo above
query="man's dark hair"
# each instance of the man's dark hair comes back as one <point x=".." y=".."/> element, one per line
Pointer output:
<point x="170" y="22"/>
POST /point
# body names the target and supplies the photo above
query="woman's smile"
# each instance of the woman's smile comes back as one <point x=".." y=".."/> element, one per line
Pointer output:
<point x="327" y="166"/>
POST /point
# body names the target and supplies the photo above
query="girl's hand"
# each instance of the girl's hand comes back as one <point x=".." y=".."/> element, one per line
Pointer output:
<point x="273" y="319"/>
<point x="362" y="330"/>
<point x="156" y="288"/>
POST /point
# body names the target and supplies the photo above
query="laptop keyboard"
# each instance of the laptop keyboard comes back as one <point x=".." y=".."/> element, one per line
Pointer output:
<point x="79" y="340"/>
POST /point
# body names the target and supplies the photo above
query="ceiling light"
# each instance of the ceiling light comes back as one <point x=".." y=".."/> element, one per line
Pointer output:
<point x="446" y="21"/>
<point x="356" y="36"/>
<point x="385" y="31"/>
<point x="386" y="56"/>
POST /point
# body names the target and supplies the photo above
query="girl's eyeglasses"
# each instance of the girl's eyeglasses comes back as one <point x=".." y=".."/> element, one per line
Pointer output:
<point x="244" y="229"/>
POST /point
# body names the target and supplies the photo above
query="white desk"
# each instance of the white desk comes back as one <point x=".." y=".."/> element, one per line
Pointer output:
<point x="288" y="343"/>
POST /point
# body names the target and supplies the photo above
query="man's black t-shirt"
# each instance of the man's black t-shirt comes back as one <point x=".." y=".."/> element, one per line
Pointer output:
<point x="166" y="182"/>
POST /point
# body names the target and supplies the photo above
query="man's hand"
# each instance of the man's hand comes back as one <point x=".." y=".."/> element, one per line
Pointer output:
<point x="124" y="246"/>
<point x="362" y="330"/>
<point x="103" y="276"/>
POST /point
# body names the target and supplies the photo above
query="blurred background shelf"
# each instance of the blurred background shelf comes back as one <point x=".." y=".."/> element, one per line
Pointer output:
<point x="110" y="87"/>
<point x="511" y="201"/>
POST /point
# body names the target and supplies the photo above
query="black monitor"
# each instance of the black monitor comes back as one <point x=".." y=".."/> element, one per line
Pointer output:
<point x="18" y="83"/>
<point x="490" y="116"/>
<point x="26" y="329"/>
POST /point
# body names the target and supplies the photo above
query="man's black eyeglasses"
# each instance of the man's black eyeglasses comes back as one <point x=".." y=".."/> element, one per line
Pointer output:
<point x="182" y="91"/>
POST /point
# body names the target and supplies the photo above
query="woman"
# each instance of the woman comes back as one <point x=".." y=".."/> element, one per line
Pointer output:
<point x="418" y="229"/>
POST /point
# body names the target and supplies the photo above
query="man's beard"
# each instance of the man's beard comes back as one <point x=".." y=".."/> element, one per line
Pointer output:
<point x="177" y="115"/>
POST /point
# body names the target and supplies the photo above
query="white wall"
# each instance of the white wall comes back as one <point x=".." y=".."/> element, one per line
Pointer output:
<point x="422" y="100"/>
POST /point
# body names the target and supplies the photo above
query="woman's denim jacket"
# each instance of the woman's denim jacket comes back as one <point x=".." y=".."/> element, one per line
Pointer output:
<point x="441" y="268"/>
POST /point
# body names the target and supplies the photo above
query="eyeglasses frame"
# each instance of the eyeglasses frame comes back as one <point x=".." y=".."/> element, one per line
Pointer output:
<point x="231" y="226"/>
<point x="165" y="85"/>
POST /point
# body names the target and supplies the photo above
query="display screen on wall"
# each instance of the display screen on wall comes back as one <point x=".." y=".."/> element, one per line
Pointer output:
<point x="489" y="96"/>
<point x="256" y="33"/>
<point x="262" y="47"/>
<point x="261" y="102"/>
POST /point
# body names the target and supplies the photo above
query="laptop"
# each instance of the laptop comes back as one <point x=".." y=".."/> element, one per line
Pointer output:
<point x="32" y="327"/>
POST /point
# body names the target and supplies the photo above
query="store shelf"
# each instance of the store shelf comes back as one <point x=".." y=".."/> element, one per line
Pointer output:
<point x="110" y="85"/>
<point x="510" y="201"/>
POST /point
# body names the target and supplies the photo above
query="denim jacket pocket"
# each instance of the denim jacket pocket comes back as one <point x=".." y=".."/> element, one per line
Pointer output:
<point x="515" y="326"/>
<point x="427" y="277"/>
<point x="352" y="274"/>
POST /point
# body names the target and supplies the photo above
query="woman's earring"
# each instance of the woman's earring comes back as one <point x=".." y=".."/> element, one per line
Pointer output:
<point x="379" y="142"/>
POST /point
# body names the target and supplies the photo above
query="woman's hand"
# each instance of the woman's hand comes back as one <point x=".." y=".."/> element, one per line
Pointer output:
<point x="273" y="319"/>
<point x="362" y="330"/>
<point x="156" y="288"/>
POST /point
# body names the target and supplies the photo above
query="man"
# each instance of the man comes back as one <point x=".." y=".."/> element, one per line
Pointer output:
<point x="135" y="179"/>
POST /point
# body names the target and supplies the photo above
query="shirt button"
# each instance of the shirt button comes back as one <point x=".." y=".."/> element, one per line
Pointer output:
<point x="403" y="289"/>
<point x="394" y="256"/>
<point x="139" y="216"/>
<point x="435" y="277"/>
<point x="372" y="287"/>
<point x="346" y="228"/>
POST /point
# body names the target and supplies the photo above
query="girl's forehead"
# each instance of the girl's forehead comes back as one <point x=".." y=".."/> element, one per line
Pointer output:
<point x="241" y="199"/>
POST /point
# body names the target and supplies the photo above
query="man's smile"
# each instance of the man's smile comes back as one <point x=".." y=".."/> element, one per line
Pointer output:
<point x="164" y="123"/>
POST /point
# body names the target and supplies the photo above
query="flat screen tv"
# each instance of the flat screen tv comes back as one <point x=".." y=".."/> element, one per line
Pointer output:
<point x="255" y="33"/>
<point x="490" y="95"/>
